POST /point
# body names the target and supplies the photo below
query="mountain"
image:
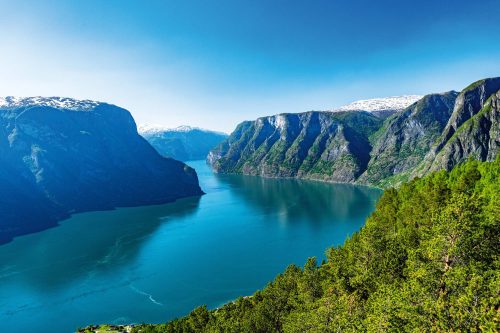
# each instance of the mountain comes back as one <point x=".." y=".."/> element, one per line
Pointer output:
<point x="473" y="129"/>
<point x="370" y="142"/>
<point x="382" y="107"/>
<point x="405" y="138"/>
<point x="60" y="156"/>
<point x="183" y="143"/>
<point x="331" y="146"/>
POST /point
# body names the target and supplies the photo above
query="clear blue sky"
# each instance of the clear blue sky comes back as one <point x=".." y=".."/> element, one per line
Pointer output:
<point x="215" y="63"/>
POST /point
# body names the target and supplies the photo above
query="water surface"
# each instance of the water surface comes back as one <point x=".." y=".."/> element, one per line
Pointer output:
<point x="154" y="263"/>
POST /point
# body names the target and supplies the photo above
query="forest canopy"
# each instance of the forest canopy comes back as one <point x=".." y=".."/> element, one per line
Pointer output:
<point x="427" y="259"/>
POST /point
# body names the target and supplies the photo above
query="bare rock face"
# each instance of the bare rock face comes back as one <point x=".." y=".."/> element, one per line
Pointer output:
<point x="61" y="156"/>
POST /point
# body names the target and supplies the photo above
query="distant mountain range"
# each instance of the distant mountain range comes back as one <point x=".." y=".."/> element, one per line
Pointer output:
<point x="60" y="156"/>
<point x="183" y="143"/>
<point x="377" y="142"/>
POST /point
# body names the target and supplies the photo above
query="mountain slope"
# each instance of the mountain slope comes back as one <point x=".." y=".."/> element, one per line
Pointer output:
<point x="473" y="129"/>
<point x="406" y="137"/>
<point x="436" y="132"/>
<point x="316" y="145"/>
<point x="183" y="143"/>
<point x="61" y="156"/>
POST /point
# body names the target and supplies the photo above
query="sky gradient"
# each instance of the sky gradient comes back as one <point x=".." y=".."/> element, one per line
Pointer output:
<point x="214" y="64"/>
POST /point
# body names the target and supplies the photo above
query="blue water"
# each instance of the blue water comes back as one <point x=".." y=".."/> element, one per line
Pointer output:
<point x="155" y="263"/>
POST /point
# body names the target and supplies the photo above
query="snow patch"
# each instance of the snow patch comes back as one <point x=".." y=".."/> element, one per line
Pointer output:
<point x="152" y="129"/>
<point x="55" y="102"/>
<point x="396" y="103"/>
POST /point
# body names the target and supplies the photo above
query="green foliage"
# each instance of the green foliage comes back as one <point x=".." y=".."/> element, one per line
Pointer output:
<point x="474" y="85"/>
<point x="427" y="260"/>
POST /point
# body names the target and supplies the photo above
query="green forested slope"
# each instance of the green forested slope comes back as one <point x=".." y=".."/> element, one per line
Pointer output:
<point x="427" y="260"/>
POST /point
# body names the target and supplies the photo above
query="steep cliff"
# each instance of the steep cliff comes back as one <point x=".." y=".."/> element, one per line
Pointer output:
<point x="436" y="132"/>
<point x="406" y="137"/>
<point x="471" y="131"/>
<point x="61" y="156"/>
<point x="316" y="145"/>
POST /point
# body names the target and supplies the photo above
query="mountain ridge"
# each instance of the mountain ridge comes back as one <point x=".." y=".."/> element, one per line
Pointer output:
<point x="182" y="143"/>
<point x="56" y="102"/>
<point x="153" y="128"/>
<point x="299" y="145"/>
<point x="78" y="156"/>
<point x="401" y="146"/>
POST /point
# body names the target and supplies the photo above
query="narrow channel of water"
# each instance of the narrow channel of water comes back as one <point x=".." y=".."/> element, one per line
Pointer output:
<point x="155" y="263"/>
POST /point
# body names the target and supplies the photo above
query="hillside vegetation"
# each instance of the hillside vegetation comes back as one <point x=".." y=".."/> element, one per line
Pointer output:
<point x="437" y="132"/>
<point x="427" y="260"/>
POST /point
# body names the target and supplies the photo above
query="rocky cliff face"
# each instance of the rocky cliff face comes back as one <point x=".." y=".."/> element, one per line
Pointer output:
<point x="436" y="132"/>
<point x="61" y="156"/>
<point x="406" y="137"/>
<point x="471" y="131"/>
<point x="316" y="145"/>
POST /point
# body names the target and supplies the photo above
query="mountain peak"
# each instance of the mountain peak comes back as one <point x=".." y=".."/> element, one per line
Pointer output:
<point x="55" y="102"/>
<point x="393" y="103"/>
<point x="157" y="129"/>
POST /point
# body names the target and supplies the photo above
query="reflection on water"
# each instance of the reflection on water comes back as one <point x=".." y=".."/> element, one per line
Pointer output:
<point x="90" y="242"/>
<point x="299" y="199"/>
<point x="155" y="263"/>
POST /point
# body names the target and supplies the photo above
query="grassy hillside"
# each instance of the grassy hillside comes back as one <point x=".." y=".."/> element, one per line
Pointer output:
<point x="428" y="259"/>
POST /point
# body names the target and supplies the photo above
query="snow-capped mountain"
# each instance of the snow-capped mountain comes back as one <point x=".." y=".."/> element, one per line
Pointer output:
<point x="182" y="143"/>
<point x="394" y="103"/>
<point x="152" y="129"/>
<point x="56" y="102"/>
